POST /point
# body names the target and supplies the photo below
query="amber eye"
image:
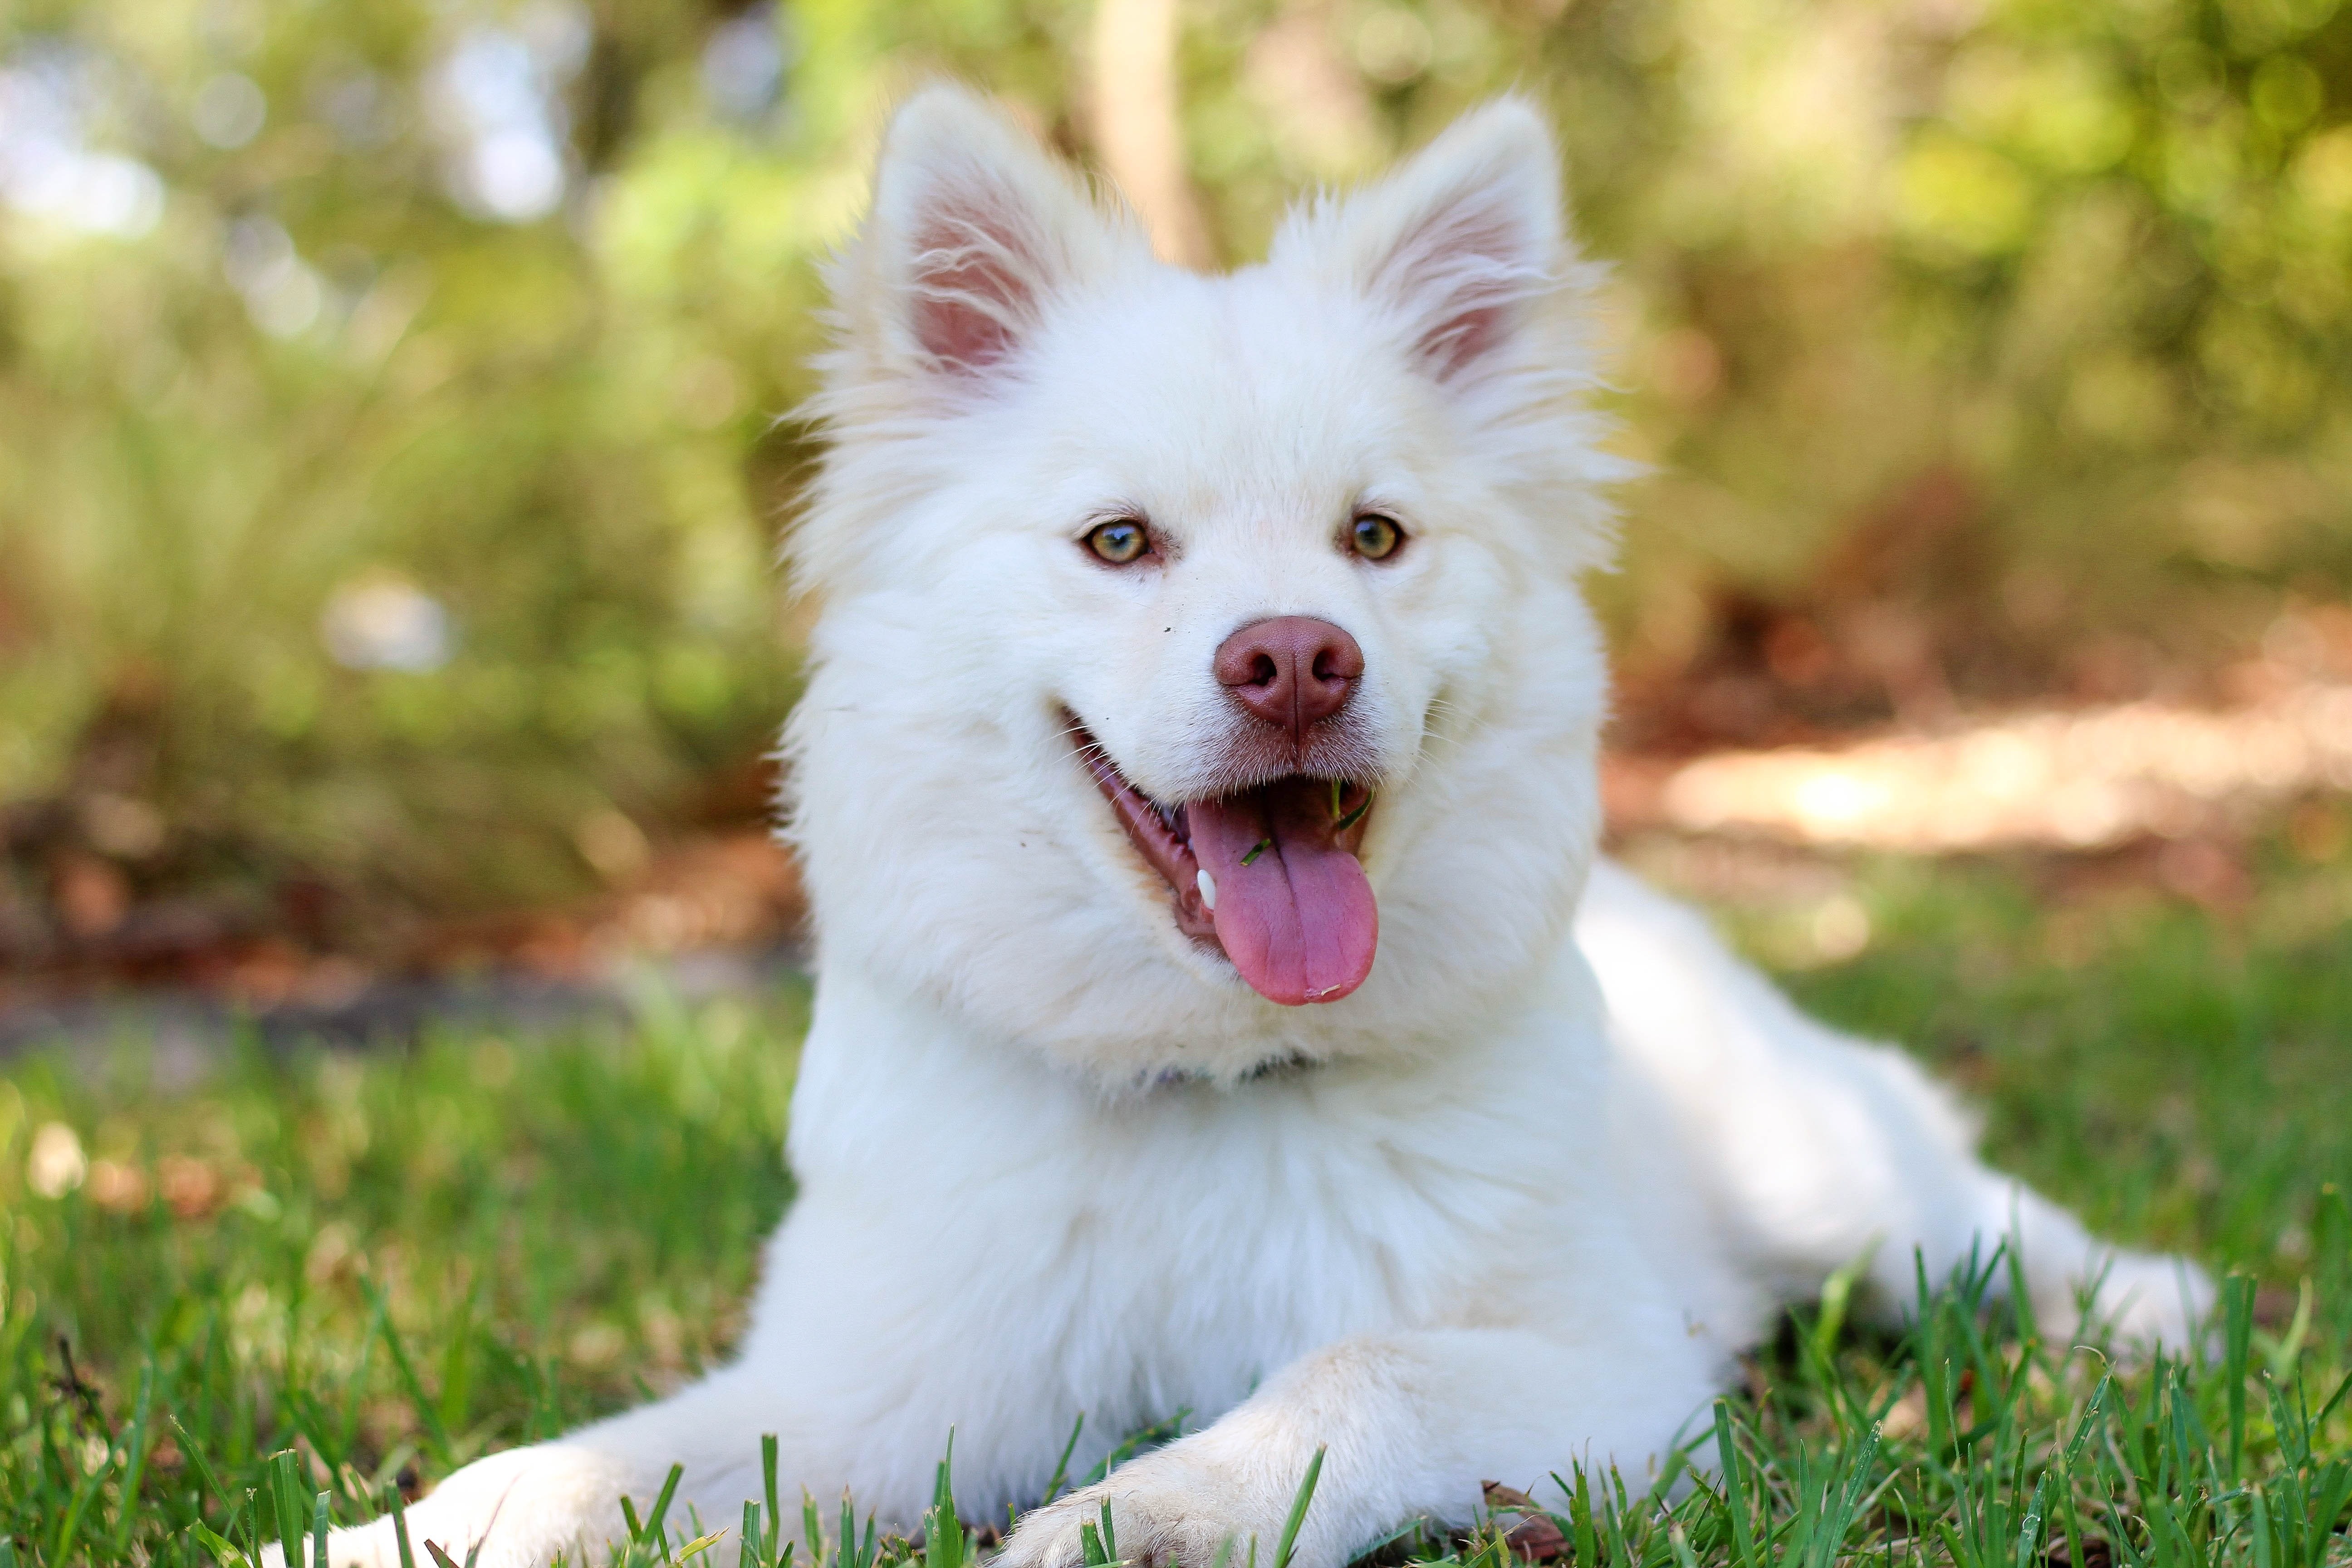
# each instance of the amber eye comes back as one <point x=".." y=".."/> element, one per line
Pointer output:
<point x="1374" y="537"/>
<point x="1120" y="540"/>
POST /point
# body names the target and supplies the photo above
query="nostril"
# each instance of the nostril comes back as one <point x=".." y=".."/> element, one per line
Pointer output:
<point x="1291" y="670"/>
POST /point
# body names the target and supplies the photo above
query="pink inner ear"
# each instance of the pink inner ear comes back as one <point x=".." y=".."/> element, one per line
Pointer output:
<point x="1465" y="273"/>
<point x="975" y="284"/>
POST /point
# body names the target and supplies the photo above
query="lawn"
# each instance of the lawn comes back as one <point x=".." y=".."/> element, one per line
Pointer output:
<point x="391" y="1263"/>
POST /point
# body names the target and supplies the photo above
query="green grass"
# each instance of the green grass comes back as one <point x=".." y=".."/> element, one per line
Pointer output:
<point x="383" y="1266"/>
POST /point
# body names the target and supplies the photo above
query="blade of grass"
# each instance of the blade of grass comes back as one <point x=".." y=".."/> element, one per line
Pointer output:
<point x="654" y="1521"/>
<point x="2334" y="1400"/>
<point x="1735" y="1488"/>
<point x="1298" y="1504"/>
<point x="428" y="1413"/>
<point x="768" y="1484"/>
<point x="228" y="1552"/>
<point x="206" y="1479"/>
<point x="137" y="1460"/>
<point x="286" y="1491"/>
<point x="697" y="1547"/>
<point x="399" y="1507"/>
<point x="2237" y="1309"/>
<point x="1061" y="1475"/>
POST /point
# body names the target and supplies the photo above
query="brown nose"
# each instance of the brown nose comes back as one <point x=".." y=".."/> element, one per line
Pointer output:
<point x="1290" y="671"/>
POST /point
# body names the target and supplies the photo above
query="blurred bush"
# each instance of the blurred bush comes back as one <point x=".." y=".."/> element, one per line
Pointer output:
<point x="390" y="389"/>
<point x="390" y="475"/>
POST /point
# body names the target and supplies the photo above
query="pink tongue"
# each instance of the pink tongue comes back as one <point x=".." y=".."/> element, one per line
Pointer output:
<point x="1298" y="920"/>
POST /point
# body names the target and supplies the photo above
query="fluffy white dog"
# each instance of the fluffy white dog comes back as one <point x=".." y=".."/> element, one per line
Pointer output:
<point x="1220" y="1006"/>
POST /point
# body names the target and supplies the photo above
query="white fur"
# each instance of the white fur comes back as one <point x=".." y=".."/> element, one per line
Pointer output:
<point x="1486" y="1217"/>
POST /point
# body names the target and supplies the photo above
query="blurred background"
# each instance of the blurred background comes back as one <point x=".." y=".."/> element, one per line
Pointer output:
<point x="395" y="426"/>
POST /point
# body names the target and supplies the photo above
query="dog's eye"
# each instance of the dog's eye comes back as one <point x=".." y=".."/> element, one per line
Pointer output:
<point x="1120" y="540"/>
<point x="1374" y="537"/>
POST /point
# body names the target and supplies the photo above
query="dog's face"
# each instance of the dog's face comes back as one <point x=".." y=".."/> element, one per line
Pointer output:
<point x="1202" y="680"/>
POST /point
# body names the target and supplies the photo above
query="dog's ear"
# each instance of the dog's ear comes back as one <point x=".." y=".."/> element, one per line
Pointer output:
<point x="974" y="229"/>
<point x="1460" y="244"/>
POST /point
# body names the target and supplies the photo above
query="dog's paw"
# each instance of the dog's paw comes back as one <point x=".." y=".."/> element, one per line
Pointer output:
<point x="518" y="1509"/>
<point x="377" y="1545"/>
<point x="365" y="1546"/>
<point x="1177" y="1520"/>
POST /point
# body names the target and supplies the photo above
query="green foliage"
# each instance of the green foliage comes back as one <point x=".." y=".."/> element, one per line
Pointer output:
<point x="319" y="374"/>
<point x="399" y="1261"/>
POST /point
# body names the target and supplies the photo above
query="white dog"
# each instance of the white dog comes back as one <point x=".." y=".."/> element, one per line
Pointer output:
<point x="1220" y="1007"/>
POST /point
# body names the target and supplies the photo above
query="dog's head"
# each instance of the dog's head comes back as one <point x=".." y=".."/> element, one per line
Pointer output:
<point x="1197" y="648"/>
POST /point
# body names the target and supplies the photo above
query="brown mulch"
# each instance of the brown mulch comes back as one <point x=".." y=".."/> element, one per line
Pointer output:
<point x="736" y="889"/>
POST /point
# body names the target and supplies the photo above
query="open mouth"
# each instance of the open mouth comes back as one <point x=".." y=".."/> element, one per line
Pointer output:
<point x="1269" y="874"/>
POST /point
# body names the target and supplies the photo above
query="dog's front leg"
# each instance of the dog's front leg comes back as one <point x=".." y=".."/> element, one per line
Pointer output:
<point x="1412" y="1424"/>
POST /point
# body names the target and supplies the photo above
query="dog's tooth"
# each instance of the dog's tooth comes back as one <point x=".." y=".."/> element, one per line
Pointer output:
<point x="1207" y="886"/>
